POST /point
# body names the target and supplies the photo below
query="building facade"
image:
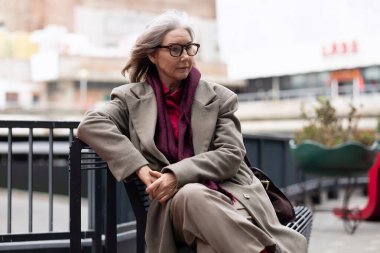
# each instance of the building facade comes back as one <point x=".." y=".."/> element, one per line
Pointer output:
<point x="75" y="49"/>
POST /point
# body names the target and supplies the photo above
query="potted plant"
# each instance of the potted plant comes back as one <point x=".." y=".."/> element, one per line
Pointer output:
<point x="325" y="147"/>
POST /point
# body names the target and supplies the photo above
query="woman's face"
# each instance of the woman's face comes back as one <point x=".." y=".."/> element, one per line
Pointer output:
<point x="172" y="70"/>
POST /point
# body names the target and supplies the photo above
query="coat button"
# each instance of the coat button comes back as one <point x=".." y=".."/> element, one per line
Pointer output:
<point x="246" y="196"/>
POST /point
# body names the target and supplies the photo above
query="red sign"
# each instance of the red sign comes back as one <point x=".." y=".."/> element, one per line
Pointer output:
<point x="340" y="48"/>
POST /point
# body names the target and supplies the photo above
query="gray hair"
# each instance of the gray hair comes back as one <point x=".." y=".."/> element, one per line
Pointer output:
<point x="138" y="64"/>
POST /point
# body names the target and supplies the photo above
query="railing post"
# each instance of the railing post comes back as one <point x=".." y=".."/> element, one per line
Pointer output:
<point x="111" y="214"/>
<point x="9" y="180"/>
<point x="30" y="179"/>
<point x="51" y="179"/>
<point x="75" y="197"/>
<point x="98" y="213"/>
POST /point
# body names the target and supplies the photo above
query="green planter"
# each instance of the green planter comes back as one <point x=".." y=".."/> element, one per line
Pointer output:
<point x="347" y="159"/>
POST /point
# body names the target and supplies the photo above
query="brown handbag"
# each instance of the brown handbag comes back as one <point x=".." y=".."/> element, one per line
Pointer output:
<point x="281" y="204"/>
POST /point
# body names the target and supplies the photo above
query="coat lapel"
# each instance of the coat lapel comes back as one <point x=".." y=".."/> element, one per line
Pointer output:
<point x="143" y="114"/>
<point x="203" y="117"/>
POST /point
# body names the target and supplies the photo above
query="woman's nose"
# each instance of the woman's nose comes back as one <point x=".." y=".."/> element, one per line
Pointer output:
<point x="184" y="55"/>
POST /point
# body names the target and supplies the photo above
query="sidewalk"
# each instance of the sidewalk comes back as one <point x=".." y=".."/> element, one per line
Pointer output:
<point x="328" y="234"/>
<point x="40" y="212"/>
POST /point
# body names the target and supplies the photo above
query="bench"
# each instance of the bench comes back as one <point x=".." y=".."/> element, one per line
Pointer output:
<point x="82" y="157"/>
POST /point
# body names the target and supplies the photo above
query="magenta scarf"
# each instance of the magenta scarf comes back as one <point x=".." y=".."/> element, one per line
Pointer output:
<point x="164" y="136"/>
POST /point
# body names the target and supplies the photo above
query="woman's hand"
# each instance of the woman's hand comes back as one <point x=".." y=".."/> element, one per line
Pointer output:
<point x="147" y="176"/>
<point x="163" y="188"/>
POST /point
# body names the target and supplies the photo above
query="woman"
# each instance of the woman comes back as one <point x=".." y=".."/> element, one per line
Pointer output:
<point x="180" y="136"/>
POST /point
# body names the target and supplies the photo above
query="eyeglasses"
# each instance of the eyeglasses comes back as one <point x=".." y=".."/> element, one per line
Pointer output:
<point x="176" y="50"/>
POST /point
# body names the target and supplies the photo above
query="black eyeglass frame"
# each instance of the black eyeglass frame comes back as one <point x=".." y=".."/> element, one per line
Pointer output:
<point x="184" y="47"/>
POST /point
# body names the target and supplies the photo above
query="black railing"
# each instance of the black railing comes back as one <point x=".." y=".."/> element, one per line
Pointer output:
<point x="83" y="158"/>
<point x="19" y="132"/>
<point x="52" y="139"/>
<point x="30" y="154"/>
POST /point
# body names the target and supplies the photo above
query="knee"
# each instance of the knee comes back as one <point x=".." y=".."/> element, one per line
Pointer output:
<point x="193" y="193"/>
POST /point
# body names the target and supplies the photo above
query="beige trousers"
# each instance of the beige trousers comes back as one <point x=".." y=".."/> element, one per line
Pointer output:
<point x="206" y="219"/>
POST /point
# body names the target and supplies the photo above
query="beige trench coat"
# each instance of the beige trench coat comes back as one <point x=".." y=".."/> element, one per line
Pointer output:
<point x="218" y="147"/>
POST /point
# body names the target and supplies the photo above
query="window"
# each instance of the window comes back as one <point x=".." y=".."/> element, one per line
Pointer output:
<point x="11" y="98"/>
<point x="371" y="75"/>
<point x="35" y="99"/>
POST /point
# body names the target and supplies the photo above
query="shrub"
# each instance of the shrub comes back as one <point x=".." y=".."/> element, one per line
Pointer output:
<point x="327" y="128"/>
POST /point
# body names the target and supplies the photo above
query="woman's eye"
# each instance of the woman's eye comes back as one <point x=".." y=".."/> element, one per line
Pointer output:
<point x="176" y="49"/>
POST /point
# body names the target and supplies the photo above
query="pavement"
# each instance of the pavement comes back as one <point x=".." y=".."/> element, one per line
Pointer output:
<point x="327" y="236"/>
<point x="20" y="207"/>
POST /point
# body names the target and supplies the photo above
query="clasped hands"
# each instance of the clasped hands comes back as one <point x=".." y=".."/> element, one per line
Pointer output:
<point x="160" y="186"/>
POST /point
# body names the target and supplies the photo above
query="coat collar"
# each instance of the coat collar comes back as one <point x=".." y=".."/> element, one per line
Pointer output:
<point x="203" y="117"/>
<point x="143" y="114"/>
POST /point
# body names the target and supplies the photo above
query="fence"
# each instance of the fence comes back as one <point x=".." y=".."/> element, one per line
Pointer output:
<point x="52" y="140"/>
<point x="326" y="91"/>
<point x="18" y="130"/>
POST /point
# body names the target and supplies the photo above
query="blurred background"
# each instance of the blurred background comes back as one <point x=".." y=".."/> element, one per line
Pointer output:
<point x="60" y="58"/>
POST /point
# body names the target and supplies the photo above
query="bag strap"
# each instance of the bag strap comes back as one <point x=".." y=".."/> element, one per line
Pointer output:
<point x="282" y="205"/>
<point x="265" y="181"/>
<point x="246" y="160"/>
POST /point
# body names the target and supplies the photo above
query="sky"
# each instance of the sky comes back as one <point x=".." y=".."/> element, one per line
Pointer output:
<point x="249" y="26"/>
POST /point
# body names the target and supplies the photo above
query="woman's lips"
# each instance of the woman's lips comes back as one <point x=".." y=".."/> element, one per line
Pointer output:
<point x="183" y="68"/>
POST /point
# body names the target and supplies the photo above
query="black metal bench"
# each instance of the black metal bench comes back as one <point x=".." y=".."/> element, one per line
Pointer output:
<point x="83" y="157"/>
<point x="139" y="199"/>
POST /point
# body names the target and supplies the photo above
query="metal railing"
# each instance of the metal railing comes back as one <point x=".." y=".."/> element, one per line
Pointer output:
<point x="266" y="152"/>
<point x="52" y="140"/>
<point x="32" y="131"/>
<point x="83" y="158"/>
<point x="327" y="91"/>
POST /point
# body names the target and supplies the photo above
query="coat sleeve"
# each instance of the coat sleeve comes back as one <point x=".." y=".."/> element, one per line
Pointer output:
<point x="105" y="129"/>
<point x="225" y="154"/>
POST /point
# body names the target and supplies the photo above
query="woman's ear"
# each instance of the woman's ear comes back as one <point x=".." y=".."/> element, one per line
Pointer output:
<point x="152" y="57"/>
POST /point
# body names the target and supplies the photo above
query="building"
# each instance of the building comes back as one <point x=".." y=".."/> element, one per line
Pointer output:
<point x="296" y="44"/>
<point x="292" y="51"/>
<point x="75" y="49"/>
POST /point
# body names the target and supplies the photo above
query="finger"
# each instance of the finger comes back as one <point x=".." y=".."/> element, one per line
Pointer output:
<point x="153" y="178"/>
<point x="153" y="194"/>
<point x="162" y="192"/>
<point x="155" y="188"/>
<point x="163" y="201"/>
<point x="155" y="183"/>
<point x="164" y="196"/>
<point x="155" y="173"/>
<point x="160" y="196"/>
<point x="151" y="188"/>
